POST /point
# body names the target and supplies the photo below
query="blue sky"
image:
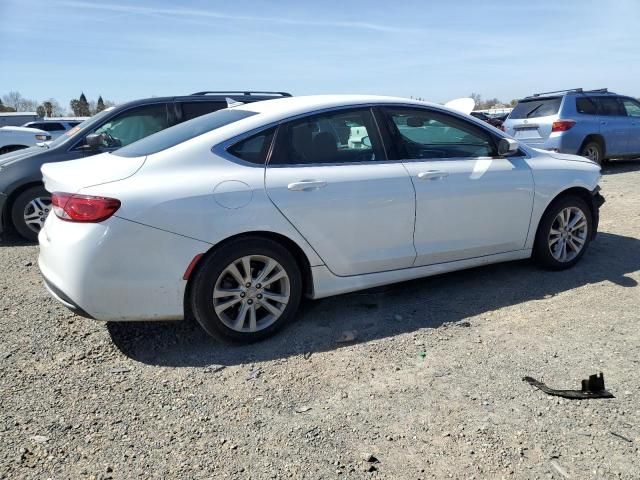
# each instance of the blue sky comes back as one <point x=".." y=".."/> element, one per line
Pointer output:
<point x="436" y="50"/>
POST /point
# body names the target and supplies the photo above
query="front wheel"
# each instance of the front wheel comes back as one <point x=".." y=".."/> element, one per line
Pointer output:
<point x="564" y="233"/>
<point x="246" y="290"/>
<point x="29" y="211"/>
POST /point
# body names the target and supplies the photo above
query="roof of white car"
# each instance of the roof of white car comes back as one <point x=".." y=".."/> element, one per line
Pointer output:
<point x="292" y="105"/>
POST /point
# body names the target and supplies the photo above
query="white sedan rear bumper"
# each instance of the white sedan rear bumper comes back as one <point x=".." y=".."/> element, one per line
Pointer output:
<point x="116" y="270"/>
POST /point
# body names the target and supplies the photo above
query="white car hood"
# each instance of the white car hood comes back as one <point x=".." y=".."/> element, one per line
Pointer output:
<point x="74" y="175"/>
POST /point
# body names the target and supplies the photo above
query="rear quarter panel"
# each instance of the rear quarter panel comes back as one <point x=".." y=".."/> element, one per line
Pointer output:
<point x="190" y="191"/>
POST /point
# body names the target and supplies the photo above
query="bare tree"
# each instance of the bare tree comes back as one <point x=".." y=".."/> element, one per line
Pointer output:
<point x="13" y="100"/>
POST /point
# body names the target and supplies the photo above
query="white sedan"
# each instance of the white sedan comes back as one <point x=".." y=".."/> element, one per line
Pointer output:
<point x="235" y="215"/>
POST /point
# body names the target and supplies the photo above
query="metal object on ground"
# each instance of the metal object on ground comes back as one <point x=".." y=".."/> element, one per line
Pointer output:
<point x="593" y="387"/>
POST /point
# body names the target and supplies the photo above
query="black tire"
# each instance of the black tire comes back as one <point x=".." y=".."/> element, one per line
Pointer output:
<point x="593" y="150"/>
<point x="212" y="267"/>
<point x="18" y="211"/>
<point x="542" y="251"/>
<point x="11" y="148"/>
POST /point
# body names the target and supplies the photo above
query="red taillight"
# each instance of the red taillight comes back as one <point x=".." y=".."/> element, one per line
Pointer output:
<point x="83" y="208"/>
<point x="562" y="125"/>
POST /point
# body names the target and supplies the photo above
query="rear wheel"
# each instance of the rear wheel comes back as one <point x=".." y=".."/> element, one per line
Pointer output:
<point x="246" y="290"/>
<point x="29" y="211"/>
<point x="593" y="151"/>
<point x="564" y="233"/>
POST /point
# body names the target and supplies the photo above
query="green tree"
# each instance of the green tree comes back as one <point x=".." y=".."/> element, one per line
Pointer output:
<point x="100" y="105"/>
<point x="83" y="106"/>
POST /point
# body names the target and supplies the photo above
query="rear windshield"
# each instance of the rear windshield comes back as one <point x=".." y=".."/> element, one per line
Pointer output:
<point x="536" y="107"/>
<point x="182" y="132"/>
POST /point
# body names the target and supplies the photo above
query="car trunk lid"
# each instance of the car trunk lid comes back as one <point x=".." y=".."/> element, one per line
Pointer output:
<point x="74" y="175"/>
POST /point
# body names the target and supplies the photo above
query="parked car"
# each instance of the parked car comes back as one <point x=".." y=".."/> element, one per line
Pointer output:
<point x="235" y="215"/>
<point x="17" y="138"/>
<point x="56" y="126"/>
<point x="491" y="120"/>
<point x="596" y="124"/>
<point x="24" y="203"/>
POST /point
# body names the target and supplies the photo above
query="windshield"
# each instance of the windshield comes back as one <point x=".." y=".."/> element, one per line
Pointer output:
<point x="182" y="132"/>
<point x="537" y="107"/>
<point x="70" y="133"/>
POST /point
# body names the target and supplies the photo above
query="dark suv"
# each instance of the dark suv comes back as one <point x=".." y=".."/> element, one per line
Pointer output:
<point x="24" y="203"/>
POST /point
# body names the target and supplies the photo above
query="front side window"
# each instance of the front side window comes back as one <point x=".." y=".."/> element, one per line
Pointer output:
<point x="421" y="133"/>
<point x="339" y="137"/>
<point x="632" y="107"/>
<point x="610" y="107"/>
<point x="133" y="124"/>
<point x="255" y="148"/>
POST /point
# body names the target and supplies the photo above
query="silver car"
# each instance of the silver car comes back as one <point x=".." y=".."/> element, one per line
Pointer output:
<point x="596" y="124"/>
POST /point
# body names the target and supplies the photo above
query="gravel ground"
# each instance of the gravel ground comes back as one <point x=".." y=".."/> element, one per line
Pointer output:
<point x="431" y="385"/>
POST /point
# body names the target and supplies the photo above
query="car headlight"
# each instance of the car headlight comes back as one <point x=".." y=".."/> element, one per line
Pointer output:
<point x="43" y="138"/>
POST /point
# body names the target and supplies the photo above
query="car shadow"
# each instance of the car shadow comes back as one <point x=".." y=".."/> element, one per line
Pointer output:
<point x="10" y="238"/>
<point x="614" y="167"/>
<point x="383" y="312"/>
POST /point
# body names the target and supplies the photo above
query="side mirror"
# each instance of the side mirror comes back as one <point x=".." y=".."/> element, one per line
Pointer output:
<point x="507" y="147"/>
<point x="94" y="141"/>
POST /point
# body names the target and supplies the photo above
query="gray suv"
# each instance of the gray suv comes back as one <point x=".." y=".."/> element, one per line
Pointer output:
<point x="596" y="124"/>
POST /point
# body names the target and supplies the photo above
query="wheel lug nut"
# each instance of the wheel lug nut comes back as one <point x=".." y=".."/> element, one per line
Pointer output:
<point x="259" y="296"/>
<point x="242" y="295"/>
<point x="248" y="284"/>
<point x="249" y="301"/>
<point x="258" y="286"/>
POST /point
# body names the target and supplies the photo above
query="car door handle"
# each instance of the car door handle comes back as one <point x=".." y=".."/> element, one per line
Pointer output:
<point x="306" y="185"/>
<point x="432" y="175"/>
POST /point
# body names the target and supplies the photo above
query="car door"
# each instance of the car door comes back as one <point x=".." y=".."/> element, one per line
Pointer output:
<point x="329" y="176"/>
<point x="469" y="201"/>
<point x="632" y="108"/>
<point x="614" y="125"/>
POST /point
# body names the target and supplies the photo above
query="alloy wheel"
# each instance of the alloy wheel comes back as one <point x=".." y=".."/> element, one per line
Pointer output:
<point x="568" y="234"/>
<point x="251" y="293"/>
<point x="35" y="213"/>
<point x="592" y="153"/>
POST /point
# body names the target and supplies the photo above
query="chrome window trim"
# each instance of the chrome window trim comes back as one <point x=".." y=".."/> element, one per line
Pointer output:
<point x="221" y="148"/>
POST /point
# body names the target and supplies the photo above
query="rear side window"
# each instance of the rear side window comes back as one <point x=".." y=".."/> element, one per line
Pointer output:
<point x="255" y="148"/>
<point x="541" y="107"/>
<point x="339" y="137"/>
<point x="610" y="107"/>
<point x="586" y="106"/>
<point x="182" y="132"/>
<point x="421" y="133"/>
<point x="191" y="110"/>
